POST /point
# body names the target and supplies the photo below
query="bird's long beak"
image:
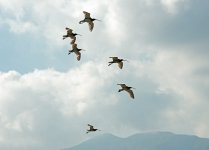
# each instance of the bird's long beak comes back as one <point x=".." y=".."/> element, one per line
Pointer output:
<point x="98" y="20"/>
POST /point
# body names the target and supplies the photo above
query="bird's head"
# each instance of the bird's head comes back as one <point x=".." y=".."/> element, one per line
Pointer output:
<point x="66" y="28"/>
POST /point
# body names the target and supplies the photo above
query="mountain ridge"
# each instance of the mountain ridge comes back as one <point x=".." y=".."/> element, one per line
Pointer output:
<point x="144" y="141"/>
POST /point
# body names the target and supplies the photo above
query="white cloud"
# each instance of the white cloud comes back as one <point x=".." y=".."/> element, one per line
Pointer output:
<point x="88" y="94"/>
<point x="172" y="5"/>
<point x="28" y="101"/>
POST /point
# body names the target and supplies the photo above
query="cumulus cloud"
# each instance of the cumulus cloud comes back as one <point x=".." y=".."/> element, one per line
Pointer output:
<point x="60" y="104"/>
<point x="44" y="103"/>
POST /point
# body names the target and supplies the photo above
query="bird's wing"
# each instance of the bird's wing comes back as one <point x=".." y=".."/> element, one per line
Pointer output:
<point x="120" y="65"/>
<point x="69" y="31"/>
<point x="91" y="25"/>
<point x="73" y="39"/>
<point x="87" y="14"/>
<point x="131" y="93"/>
<point x="78" y="54"/>
<point x="114" y="58"/>
<point x="122" y="85"/>
<point x="74" y="46"/>
<point x="91" y="127"/>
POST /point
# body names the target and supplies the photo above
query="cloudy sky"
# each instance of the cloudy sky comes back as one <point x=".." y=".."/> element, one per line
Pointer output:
<point x="47" y="97"/>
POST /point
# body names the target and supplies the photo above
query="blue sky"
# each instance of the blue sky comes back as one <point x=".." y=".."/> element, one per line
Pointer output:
<point x="47" y="97"/>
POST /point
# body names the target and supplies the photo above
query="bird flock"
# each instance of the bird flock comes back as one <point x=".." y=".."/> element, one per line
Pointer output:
<point x="115" y="60"/>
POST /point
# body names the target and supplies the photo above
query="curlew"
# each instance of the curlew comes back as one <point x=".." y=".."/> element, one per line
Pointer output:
<point x="70" y="34"/>
<point x="89" y="20"/>
<point x="75" y="50"/>
<point x="127" y="89"/>
<point x="91" y="129"/>
<point x="118" y="61"/>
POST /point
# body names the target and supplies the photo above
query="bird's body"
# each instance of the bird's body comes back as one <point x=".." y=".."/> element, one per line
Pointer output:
<point x="91" y="129"/>
<point x="118" y="61"/>
<point x="71" y="35"/>
<point x="75" y="50"/>
<point x="89" y="20"/>
<point x="127" y="89"/>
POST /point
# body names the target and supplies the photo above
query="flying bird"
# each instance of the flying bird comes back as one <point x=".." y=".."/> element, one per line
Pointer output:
<point x="89" y="20"/>
<point x="70" y="34"/>
<point x="75" y="50"/>
<point x="127" y="89"/>
<point x="118" y="61"/>
<point x="91" y="129"/>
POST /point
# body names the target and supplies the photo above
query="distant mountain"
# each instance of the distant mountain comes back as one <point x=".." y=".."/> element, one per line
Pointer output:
<point x="144" y="141"/>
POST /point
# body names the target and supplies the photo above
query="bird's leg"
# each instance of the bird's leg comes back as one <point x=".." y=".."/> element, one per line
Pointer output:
<point x="70" y="51"/>
<point x="110" y="63"/>
<point x="87" y="131"/>
<point x="120" y="90"/>
<point x="82" y="21"/>
<point x="64" y="36"/>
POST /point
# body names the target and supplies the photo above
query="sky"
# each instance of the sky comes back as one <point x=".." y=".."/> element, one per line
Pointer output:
<point x="47" y="97"/>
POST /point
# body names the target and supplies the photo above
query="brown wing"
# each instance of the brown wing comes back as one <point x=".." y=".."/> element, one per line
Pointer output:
<point x="114" y="58"/>
<point x="73" y="39"/>
<point x="69" y="31"/>
<point x="87" y="15"/>
<point x="78" y="54"/>
<point x="120" y="65"/>
<point x="74" y="46"/>
<point x="91" y="25"/>
<point x="130" y="93"/>
<point x="122" y="85"/>
<point x="91" y="127"/>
